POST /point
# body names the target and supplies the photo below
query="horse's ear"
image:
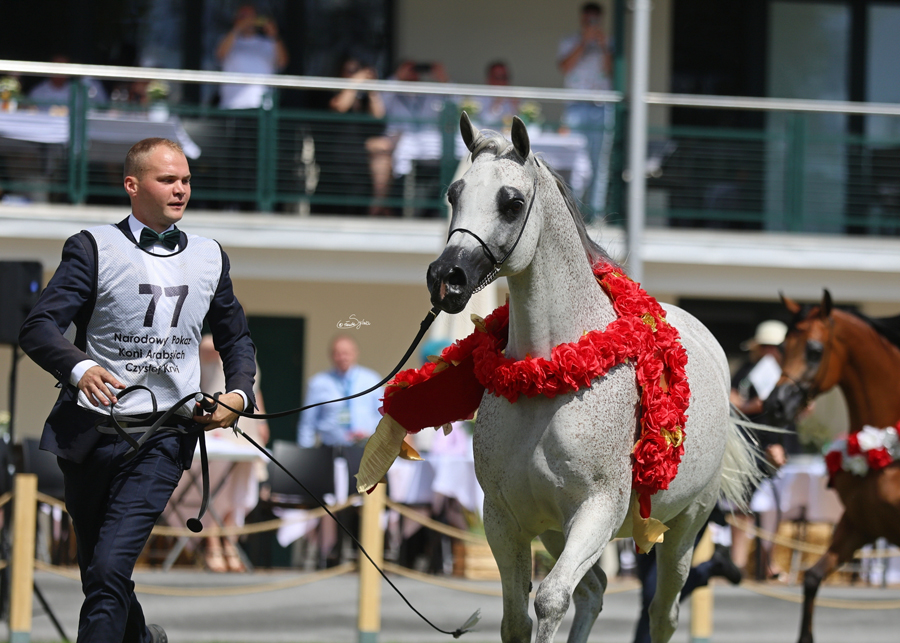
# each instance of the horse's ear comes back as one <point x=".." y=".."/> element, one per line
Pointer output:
<point x="468" y="131"/>
<point x="520" y="137"/>
<point x="827" y="305"/>
<point x="792" y="306"/>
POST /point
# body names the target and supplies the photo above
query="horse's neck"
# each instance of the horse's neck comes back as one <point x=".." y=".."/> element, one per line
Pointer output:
<point x="870" y="381"/>
<point x="556" y="299"/>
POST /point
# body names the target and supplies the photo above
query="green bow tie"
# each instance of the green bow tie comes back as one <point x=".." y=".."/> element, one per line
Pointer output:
<point x="150" y="237"/>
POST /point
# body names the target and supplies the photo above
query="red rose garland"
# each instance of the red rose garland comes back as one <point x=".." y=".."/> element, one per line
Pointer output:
<point x="641" y="334"/>
<point x="881" y="447"/>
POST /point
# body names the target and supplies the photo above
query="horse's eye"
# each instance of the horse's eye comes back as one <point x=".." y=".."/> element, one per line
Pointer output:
<point x="514" y="207"/>
<point x="814" y="350"/>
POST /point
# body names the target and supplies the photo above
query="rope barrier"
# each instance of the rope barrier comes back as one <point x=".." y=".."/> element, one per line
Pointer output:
<point x="161" y="590"/>
<point x="835" y="603"/>
<point x="484" y="591"/>
<point x="434" y="525"/>
<point x="213" y="531"/>
<point x="801" y="546"/>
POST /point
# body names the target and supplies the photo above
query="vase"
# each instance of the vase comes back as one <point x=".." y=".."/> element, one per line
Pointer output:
<point x="158" y="113"/>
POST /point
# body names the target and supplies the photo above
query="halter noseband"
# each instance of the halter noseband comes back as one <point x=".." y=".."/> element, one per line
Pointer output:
<point x="498" y="264"/>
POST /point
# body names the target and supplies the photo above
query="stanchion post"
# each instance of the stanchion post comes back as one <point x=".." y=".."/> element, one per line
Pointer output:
<point x="22" y="581"/>
<point x="702" y="597"/>
<point x="372" y="539"/>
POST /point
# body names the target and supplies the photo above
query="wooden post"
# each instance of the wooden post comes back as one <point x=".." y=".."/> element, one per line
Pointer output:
<point x="372" y="539"/>
<point x="702" y="597"/>
<point x="22" y="582"/>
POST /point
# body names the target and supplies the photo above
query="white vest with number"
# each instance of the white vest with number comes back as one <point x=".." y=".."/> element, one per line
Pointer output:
<point x="146" y="324"/>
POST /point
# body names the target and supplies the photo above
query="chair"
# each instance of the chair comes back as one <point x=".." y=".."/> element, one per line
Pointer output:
<point x="314" y="467"/>
<point x="353" y="455"/>
<point x="45" y="466"/>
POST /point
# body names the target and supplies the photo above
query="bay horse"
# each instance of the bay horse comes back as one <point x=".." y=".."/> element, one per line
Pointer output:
<point x="827" y="347"/>
<point x="561" y="467"/>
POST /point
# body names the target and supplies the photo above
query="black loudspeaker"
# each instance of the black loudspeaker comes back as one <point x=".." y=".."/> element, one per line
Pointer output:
<point x="20" y="287"/>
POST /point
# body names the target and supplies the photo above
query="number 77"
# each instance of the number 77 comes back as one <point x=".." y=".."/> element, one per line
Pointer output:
<point x="157" y="291"/>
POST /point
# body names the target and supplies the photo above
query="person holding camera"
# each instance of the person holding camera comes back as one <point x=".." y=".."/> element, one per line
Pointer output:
<point x="251" y="47"/>
<point x="585" y="59"/>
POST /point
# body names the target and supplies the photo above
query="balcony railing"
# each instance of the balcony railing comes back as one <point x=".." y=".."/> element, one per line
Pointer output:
<point x="794" y="169"/>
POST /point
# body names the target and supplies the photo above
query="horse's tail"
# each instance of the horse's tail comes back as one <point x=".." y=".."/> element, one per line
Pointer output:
<point x="741" y="470"/>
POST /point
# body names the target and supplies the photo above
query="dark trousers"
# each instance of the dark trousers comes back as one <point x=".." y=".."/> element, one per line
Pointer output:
<point x="114" y="505"/>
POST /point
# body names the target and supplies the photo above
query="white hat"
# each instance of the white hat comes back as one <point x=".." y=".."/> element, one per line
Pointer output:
<point x="769" y="333"/>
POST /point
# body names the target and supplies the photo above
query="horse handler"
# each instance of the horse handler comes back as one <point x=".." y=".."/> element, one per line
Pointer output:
<point x="138" y="293"/>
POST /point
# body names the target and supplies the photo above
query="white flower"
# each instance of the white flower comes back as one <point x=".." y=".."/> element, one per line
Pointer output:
<point x="856" y="464"/>
<point x="870" y="438"/>
<point x="892" y="442"/>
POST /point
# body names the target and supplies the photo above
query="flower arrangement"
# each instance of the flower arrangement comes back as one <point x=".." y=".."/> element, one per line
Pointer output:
<point x="640" y="335"/>
<point x="10" y="91"/>
<point x="470" y="106"/>
<point x="530" y="112"/>
<point x="870" y="449"/>
<point x="158" y="90"/>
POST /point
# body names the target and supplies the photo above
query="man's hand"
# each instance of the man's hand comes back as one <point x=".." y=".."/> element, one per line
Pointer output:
<point x="776" y="455"/>
<point x="221" y="417"/>
<point x="95" y="385"/>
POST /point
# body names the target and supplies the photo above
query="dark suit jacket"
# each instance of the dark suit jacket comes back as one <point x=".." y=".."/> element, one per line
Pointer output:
<point x="70" y="297"/>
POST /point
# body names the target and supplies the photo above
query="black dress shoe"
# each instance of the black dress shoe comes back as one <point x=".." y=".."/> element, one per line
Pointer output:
<point x="157" y="634"/>
<point x="722" y="565"/>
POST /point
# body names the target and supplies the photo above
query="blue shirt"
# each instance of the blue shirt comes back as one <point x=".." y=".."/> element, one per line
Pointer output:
<point x="332" y="423"/>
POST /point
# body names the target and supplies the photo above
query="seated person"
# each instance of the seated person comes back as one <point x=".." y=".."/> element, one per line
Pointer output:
<point x="493" y="112"/>
<point x="56" y="90"/>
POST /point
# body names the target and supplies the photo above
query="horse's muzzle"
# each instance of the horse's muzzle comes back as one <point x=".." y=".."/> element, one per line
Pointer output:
<point x="453" y="277"/>
<point x="783" y="404"/>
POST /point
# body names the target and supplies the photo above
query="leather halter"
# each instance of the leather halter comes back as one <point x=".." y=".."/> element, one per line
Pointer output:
<point x="813" y="388"/>
<point x="498" y="264"/>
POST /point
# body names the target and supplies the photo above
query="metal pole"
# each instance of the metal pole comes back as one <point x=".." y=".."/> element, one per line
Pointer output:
<point x="637" y="137"/>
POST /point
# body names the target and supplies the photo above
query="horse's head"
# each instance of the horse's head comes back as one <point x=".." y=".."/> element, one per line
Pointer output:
<point x="812" y="360"/>
<point x="490" y="231"/>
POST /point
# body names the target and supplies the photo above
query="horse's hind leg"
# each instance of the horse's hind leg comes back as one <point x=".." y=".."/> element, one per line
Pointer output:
<point x="673" y="564"/>
<point x="588" y="594"/>
<point x="512" y="551"/>
<point x="844" y="543"/>
<point x="586" y="535"/>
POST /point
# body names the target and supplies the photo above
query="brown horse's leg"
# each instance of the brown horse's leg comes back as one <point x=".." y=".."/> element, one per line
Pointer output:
<point x="846" y="540"/>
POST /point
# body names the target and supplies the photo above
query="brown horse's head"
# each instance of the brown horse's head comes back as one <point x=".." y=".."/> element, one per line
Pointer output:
<point x="812" y="362"/>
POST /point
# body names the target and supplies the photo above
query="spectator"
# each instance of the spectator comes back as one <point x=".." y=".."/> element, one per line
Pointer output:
<point x="343" y="423"/>
<point x="360" y="141"/>
<point x="750" y="387"/>
<point x="493" y="112"/>
<point x="251" y="47"/>
<point x="585" y="59"/>
<point x="414" y="112"/>
<point x="56" y="90"/>
<point x="240" y="492"/>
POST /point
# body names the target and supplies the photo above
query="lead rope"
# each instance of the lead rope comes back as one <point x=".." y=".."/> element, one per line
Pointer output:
<point x="209" y="402"/>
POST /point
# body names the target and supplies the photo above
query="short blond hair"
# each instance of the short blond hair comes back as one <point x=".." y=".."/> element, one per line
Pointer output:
<point x="136" y="159"/>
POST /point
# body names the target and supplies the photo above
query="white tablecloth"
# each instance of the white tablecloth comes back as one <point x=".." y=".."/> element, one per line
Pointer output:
<point x="801" y="486"/>
<point x="104" y="129"/>
<point x="566" y="153"/>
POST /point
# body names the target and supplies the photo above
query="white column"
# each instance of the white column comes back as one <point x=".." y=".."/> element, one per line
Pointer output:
<point x="637" y="137"/>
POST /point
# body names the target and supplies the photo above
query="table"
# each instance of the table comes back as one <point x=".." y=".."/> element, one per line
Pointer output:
<point x="110" y="133"/>
<point x="224" y="456"/>
<point x="566" y="153"/>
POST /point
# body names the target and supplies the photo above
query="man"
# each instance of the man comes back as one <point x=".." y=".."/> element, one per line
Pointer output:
<point x="251" y="47"/>
<point x="496" y="113"/>
<point x="138" y="293"/>
<point x="56" y="90"/>
<point x="343" y="423"/>
<point x="585" y="59"/>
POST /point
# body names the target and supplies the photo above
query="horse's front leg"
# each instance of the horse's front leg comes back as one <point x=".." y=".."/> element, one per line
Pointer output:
<point x="844" y="543"/>
<point x="588" y="532"/>
<point x="512" y="551"/>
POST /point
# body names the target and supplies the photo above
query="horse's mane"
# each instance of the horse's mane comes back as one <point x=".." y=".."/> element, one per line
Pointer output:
<point x="887" y="327"/>
<point x="494" y="142"/>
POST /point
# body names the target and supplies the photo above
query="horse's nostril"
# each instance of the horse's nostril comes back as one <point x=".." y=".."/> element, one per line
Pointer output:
<point x="456" y="277"/>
